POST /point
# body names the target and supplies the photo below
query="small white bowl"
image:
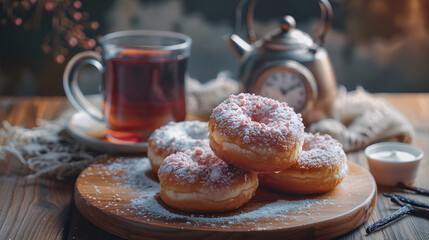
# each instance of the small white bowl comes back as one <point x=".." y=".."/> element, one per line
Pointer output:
<point x="393" y="162"/>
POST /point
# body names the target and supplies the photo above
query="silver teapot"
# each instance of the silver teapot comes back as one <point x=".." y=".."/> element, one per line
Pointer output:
<point x="287" y="64"/>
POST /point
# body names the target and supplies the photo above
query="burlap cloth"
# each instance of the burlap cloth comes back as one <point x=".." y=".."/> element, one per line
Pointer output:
<point x="358" y="120"/>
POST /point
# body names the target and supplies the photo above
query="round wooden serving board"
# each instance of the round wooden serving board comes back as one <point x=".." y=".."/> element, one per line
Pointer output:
<point x="104" y="198"/>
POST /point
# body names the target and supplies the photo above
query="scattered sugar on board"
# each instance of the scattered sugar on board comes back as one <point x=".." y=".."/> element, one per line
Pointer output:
<point x="134" y="177"/>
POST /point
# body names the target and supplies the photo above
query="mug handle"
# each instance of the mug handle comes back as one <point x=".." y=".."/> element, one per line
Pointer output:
<point x="71" y="85"/>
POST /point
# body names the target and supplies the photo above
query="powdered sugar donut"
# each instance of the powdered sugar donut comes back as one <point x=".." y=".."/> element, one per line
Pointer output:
<point x="174" y="137"/>
<point x="320" y="168"/>
<point x="256" y="133"/>
<point x="198" y="181"/>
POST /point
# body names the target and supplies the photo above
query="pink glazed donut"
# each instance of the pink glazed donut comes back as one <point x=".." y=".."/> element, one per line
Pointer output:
<point x="196" y="180"/>
<point x="256" y="133"/>
<point x="321" y="167"/>
<point x="175" y="137"/>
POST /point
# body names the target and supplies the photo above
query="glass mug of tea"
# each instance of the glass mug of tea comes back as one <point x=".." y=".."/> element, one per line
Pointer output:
<point x="143" y="82"/>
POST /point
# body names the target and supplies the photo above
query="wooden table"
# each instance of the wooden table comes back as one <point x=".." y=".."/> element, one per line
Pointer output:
<point x="43" y="208"/>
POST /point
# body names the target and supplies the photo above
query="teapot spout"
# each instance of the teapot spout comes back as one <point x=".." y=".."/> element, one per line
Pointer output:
<point x="237" y="44"/>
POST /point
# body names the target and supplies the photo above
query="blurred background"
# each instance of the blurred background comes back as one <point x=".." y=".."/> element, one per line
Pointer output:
<point x="382" y="45"/>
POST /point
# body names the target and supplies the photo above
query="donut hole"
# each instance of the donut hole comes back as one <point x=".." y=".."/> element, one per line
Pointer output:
<point x="260" y="116"/>
<point x="260" y="119"/>
<point x="198" y="135"/>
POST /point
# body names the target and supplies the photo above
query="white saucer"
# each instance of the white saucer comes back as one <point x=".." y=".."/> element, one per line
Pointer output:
<point x="92" y="133"/>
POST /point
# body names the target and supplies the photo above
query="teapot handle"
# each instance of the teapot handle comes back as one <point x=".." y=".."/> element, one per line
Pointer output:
<point x="251" y="35"/>
<point x="325" y="19"/>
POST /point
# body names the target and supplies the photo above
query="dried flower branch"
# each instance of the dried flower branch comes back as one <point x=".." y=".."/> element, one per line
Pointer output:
<point x="69" y="23"/>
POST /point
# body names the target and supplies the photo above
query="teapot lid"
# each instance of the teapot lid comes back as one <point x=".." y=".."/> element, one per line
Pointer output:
<point x="288" y="37"/>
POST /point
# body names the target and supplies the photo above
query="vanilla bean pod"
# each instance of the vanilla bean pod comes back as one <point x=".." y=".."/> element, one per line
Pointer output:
<point x="420" y="191"/>
<point x="407" y="200"/>
<point x="407" y="208"/>
<point x="400" y="203"/>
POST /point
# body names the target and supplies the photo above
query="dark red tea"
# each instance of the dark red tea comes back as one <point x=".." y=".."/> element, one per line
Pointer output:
<point x="142" y="95"/>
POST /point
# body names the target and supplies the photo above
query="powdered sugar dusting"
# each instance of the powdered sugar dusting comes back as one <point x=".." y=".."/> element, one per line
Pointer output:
<point x="258" y="121"/>
<point x="199" y="164"/>
<point x="131" y="174"/>
<point x="179" y="136"/>
<point x="321" y="150"/>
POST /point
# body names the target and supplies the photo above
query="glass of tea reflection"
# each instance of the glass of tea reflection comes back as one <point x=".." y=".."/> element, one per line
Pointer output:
<point x="143" y="82"/>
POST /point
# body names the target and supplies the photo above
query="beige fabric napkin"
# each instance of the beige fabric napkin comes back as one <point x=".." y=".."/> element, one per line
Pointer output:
<point x="360" y="119"/>
<point x="201" y="98"/>
<point x="46" y="149"/>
